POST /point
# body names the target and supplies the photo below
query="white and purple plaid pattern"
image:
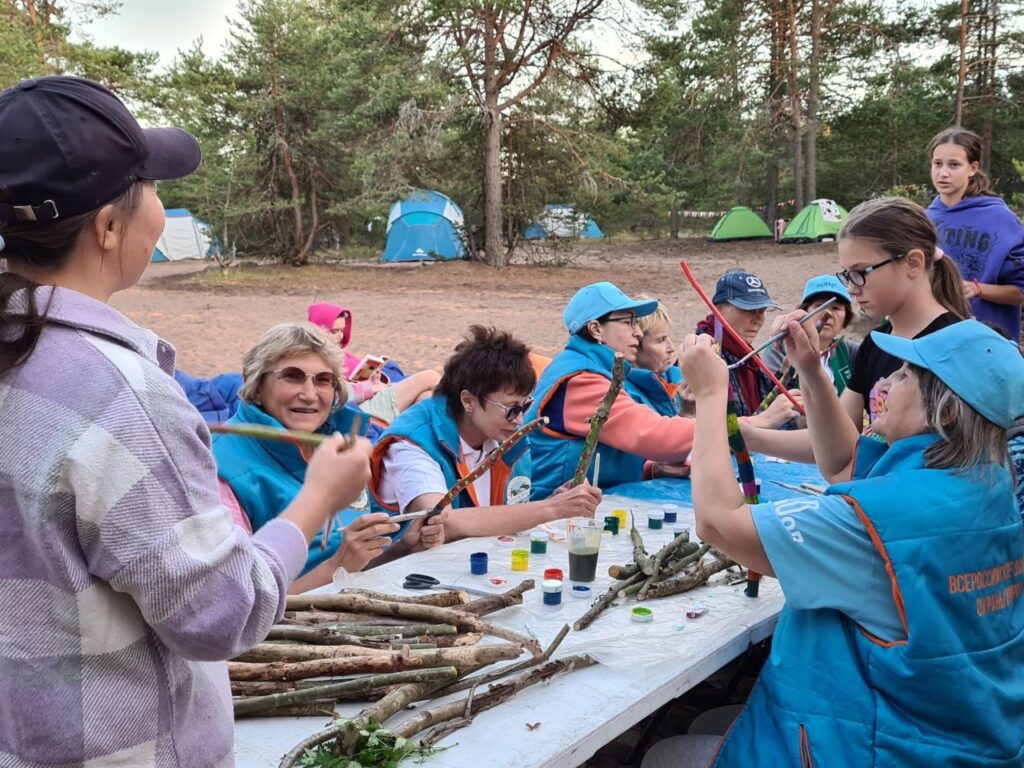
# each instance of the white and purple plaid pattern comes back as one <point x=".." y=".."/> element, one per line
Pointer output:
<point x="123" y="582"/>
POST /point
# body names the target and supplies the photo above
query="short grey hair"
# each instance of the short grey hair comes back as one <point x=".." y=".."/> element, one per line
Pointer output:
<point x="281" y="341"/>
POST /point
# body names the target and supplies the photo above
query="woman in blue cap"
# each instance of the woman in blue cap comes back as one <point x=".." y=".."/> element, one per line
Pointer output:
<point x="837" y="353"/>
<point x="903" y="632"/>
<point x="602" y="321"/>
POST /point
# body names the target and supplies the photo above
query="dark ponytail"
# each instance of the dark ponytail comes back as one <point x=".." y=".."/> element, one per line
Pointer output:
<point x="970" y="142"/>
<point x="45" y="247"/>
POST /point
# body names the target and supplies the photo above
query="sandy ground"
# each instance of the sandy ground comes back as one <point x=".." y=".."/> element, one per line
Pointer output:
<point x="416" y="314"/>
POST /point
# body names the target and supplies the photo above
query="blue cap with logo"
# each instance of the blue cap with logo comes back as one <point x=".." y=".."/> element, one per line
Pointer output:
<point x="985" y="370"/>
<point x="825" y="285"/>
<point x="744" y="290"/>
<point x="598" y="299"/>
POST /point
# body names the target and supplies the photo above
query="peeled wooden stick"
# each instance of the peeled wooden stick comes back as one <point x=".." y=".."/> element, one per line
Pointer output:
<point x="270" y="652"/>
<point x="335" y="618"/>
<point x="485" y="605"/>
<point x="428" y="613"/>
<point x="486" y="464"/>
<point x="396" y="661"/>
<point x="495" y="695"/>
<point x="599" y="418"/>
<point x="331" y="690"/>
<point x="358" y="635"/>
<point x="337" y="601"/>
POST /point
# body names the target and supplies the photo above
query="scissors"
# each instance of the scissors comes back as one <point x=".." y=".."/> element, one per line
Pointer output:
<point x="422" y="581"/>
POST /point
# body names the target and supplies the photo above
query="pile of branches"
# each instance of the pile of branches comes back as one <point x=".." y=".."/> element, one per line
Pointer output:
<point x="676" y="567"/>
<point x="391" y="650"/>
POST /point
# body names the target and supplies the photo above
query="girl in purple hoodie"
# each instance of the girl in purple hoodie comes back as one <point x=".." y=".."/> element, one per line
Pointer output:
<point x="978" y="231"/>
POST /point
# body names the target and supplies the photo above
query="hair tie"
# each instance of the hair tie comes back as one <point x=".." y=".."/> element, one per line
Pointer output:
<point x="939" y="253"/>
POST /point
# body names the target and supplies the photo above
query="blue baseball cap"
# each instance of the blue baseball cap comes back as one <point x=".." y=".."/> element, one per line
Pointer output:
<point x="69" y="146"/>
<point x="597" y="300"/>
<point x="985" y="370"/>
<point x="828" y="285"/>
<point x="744" y="290"/>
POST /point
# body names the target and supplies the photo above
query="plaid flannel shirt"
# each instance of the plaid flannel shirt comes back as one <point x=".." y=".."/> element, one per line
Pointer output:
<point x="123" y="582"/>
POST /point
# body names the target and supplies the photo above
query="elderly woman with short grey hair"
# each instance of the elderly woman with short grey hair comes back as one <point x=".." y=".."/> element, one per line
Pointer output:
<point x="291" y="381"/>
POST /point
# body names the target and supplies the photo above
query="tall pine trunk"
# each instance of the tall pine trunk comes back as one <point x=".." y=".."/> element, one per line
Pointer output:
<point x="796" y="139"/>
<point x="813" y="91"/>
<point x="493" y="252"/>
<point x="961" y="77"/>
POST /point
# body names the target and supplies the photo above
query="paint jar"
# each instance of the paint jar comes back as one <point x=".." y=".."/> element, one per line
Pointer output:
<point x="520" y="559"/>
<point x="611" y="523"/>
<point x="552" y="591"/>
<point x="582" y="591"/>
<point x="671" y="513"/>
<point x="553" y="573"/>
<point x="623" y="518"/>
<point x="683" y="531"/>
<point x="478" y="563"/>
<point x="642" y="615"/>
<point x="655" y="519"/>
<point x="539" y="542"/>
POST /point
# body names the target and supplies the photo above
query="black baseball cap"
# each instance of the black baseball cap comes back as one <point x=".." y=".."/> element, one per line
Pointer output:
<point x="68" y="146"/>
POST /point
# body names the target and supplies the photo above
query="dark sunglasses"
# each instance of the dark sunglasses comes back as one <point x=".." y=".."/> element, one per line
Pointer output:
<point x="514" y="411"/>
<point x="298" y="377"/>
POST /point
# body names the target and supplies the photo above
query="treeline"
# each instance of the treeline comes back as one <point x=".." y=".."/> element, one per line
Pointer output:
<point x="319" y="114"/>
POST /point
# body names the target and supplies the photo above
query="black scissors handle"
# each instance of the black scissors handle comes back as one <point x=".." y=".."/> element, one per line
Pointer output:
<point x="420" y="581"/>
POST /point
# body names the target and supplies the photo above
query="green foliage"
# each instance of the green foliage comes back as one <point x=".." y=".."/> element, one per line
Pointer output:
<point x="375" y="748"/>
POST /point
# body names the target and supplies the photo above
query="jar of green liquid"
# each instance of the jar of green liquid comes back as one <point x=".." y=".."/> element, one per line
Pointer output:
<point x="538" y="542"/>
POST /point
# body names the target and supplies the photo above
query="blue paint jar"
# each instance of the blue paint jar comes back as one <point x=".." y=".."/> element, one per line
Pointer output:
<point x="671" y="513"/>
<point x="552" y="592"/>
<point x="478" y="563"/>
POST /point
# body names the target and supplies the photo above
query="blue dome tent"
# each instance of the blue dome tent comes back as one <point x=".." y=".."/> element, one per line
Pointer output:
<point x="423" y="227"/>
<point x="562" y="220"/>
<point x="184" y="237"/>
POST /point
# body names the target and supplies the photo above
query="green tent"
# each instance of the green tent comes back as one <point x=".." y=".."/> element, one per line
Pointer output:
<point x="740" y="223"/>
<point x="819" y="221"/>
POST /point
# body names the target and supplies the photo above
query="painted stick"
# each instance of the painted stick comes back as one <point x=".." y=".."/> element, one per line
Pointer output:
<point x="599" y="418"/>
<point x="790" y="375"/>
<point x="783" y="334"/>
<point x="485" y="466"/>
<point x="745" y="465"/>
<point x="735" y="336"/>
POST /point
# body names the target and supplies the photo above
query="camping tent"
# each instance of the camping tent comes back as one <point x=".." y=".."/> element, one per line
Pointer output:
<point x="184" y="237"/>
<point x="819" y="221"/>
<point x="562" y="220"/>
<point x="740" y="223"/>
<point x="423" y="227"/>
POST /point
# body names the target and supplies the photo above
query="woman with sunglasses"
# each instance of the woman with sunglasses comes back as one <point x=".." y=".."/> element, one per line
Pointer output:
<point x="480" y="401"/>
<point x="602" y="321"/>
<point x="290" y="381"/>
<point x="894" y="269"/>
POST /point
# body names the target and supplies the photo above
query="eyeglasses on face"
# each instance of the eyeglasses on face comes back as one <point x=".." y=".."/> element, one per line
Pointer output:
<point x="513" y="411"/>
<point x="857" y="277"/>
<point x="630" y="319"/>
<point x="297" y="377"/>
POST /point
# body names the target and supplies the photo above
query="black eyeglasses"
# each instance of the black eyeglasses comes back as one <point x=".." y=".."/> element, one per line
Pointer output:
<point x="512" y="412"/>
<point x="298" y="377"/>
<point x="857" y="277"/>
<point x="631" y="319"/>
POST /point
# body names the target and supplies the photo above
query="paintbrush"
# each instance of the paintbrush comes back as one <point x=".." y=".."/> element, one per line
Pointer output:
<point x="783" y="334"/>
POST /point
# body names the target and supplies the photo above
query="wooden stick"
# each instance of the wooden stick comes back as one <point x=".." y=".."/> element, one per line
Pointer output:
<point x="690" y="581"/>
<point x="485" y="605"/>
<point x="495" y="695"/>
<point x="428" y="613"/>
<point x="395" y="661"/>
<point x="330" y="690"/>
<point x="643" y="561"/>
<point x="315" y="618"/>
<point x="259" y="432"/>
<point x="334" y="602"/>
<point x="602" y="602"/>
<point x="623" y="571"/>
<point x="693" y="556"/>
<point x="313" y="709"/>
<point x="363" y="635"/>
<point x="270" y="652"/>
<point x="599" y="418"/>
<point x="486" y="464"/>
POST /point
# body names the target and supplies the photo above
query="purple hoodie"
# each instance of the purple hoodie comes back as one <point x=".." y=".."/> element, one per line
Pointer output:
<point x="986" y="240"/>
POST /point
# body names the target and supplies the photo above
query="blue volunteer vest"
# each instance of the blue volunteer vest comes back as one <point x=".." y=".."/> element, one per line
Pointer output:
<point x="648" y="387"/>
<point x="952" y="692"/>
<point x="429" y="426"/>
<point x="556" y="452"/>
<point x="265" y="476"/>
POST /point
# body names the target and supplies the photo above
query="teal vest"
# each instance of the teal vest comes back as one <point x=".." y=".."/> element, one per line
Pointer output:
<point x="647" y="387"/>
<point x="265" y="476"/>
<point x="952" y="692"/>
<point x="429" y="426"/>
<point x="556" y="452"/>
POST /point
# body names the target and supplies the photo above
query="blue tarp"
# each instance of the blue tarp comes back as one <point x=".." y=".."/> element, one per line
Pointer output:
<point x="426" y="226"/>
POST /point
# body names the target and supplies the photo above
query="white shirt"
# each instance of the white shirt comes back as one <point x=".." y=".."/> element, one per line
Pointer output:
<point x="409" y="472"/>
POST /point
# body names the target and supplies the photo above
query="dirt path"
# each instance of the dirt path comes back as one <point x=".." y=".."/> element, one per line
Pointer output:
<point x="417" y="314"/>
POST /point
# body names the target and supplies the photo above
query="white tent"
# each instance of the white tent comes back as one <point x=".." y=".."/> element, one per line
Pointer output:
<point x="184" y="237"/>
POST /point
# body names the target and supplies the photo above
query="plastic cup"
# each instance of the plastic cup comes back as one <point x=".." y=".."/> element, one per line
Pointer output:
<point x="584" y="542"/>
